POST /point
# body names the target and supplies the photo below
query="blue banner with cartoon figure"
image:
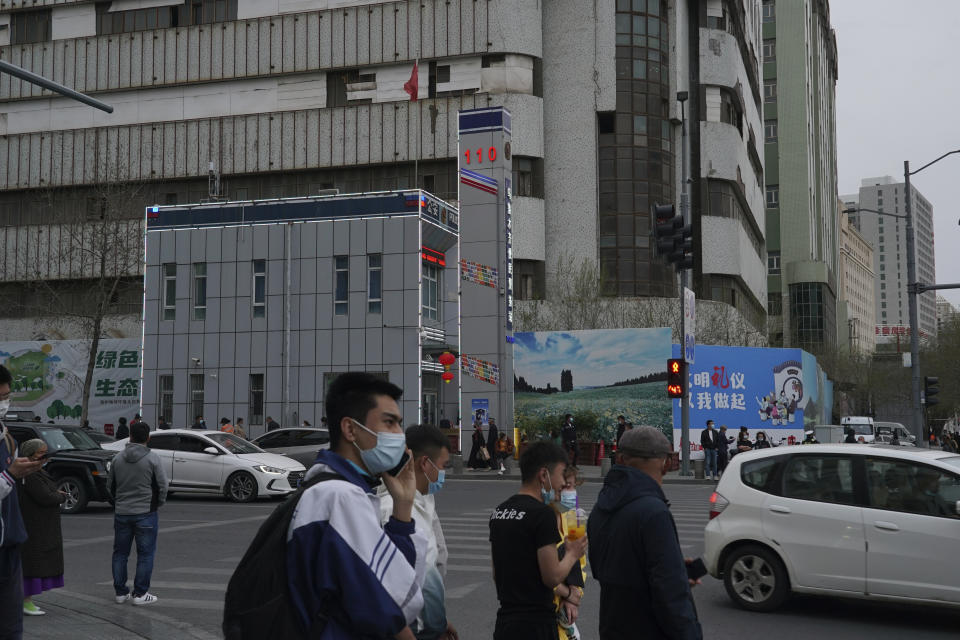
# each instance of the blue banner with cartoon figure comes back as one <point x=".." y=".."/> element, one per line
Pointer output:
<point x="777" y="391"/>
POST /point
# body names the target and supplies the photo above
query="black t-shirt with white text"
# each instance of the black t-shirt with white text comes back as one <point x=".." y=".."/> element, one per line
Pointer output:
<point x="518" y="528"/>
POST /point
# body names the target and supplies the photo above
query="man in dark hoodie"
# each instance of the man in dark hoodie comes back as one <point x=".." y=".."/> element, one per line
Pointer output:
<point x="634" y="549"/>
<point x="139" y="487"/>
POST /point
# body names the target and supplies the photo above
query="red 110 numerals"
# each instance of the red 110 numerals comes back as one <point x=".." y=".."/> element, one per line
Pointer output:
<point x="491" y="155"/>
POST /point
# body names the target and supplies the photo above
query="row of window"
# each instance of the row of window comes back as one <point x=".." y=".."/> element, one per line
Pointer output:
<point x="165" y="389"/>
<point x="341" y="265"/>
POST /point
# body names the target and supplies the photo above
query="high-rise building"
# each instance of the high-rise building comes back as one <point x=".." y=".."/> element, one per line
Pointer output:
<point x="888" y="235"/>
<point x="857" y="282"/>
<point x="803" y="245"/>
<point x="244" y="100"/>
<point x="946" y="313"/>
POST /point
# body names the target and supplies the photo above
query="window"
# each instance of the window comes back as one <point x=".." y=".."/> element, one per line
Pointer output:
<point x="255" y="409"/>
<point x="185" y="14"/>
<point x="274" y="440"/>
<point x="770" y="91"/>
<point x="169" y="291"/>
<point x="164" y="442"/>
<point x="757" y="474"/>
<point x="896" y="485"/>
<point x="443" y="73"/>
<point x="166" y="397"/>
<point x="30" y="26"/>
<point x="773" y="196"/>
<point x="430" y="292"/>
<point x="190" y="444"/>
<point x="528" y="177"/>
<point x="730" y="110"/>
<point x="773" y="263"/>
<point x="259" y="288"/>
<point x="769" y="11"/>
<point x="341" y="280"/>
<point x="770" y="131"/>
<point x="374" y="283"/>
<point x="199" y="290"/>
<point x="196" y="394"/>
<point x="305" y="438"/>
<point x="770" y="50"/>
<point x="819" y="478"/>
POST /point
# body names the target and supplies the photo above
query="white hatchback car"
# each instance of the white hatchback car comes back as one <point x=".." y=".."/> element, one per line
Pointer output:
<point x="215" y="462"/>
<point x="861" y="521"/>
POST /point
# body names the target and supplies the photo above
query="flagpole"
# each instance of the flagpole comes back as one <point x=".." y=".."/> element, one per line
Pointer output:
<point x="416" y="158"/>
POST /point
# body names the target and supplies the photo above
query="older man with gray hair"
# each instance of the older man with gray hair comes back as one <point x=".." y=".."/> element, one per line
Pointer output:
<point x="634" y="549"/>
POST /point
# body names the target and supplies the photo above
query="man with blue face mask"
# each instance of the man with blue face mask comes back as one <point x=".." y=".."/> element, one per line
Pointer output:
<point x="431" y="452"/>
<point x="363" y="578"/>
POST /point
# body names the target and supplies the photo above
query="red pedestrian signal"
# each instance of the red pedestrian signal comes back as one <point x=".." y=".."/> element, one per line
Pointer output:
<point x="676" y="377"/>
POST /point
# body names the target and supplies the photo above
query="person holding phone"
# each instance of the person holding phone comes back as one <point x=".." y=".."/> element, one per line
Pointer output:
<point x="635" y="554"/>
<point x="364" y="578"/>
<point x="42" y="553"/>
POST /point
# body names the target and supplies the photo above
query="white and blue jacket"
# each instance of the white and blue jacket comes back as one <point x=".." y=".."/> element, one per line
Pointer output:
<point x="339" y="558"/>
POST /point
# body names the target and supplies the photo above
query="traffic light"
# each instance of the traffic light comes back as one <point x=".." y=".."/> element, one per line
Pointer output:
<point x="674" y="239"/>
<point x="676" y="378"/>
<point x="931" y="389"/>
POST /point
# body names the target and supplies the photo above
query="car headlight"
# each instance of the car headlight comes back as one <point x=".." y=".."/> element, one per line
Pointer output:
<point x="274" y="470"/>
<point x="109" y="464"/>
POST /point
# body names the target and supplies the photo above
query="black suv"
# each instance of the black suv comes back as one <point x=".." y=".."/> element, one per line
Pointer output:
<point x="78" y="464"/>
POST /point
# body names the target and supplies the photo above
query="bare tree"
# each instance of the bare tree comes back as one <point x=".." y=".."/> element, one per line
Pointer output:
<point x="79" y="268"/>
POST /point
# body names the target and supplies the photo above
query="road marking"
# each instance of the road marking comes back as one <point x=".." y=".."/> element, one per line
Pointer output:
<point x="456" y="537"/>
<point x="200" y="570"/>
<point x="458" y="568"/>
<point x="186" y="586"/>
<point x="462" y="592"/>
<point x="68" y="544"/>
<point x="472" y="547"/>
<point x="471" y="556"/>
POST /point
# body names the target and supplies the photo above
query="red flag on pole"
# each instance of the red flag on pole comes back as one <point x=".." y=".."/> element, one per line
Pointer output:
<point x="412" y="86"/>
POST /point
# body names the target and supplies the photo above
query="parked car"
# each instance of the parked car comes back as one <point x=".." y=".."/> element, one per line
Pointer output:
<point x="77" y="463"/>
<point x="98" y="437"/>
<point x="217" y="462"/>
<point x="861" y="425"/>
<point x="300" y="444"/>
<point x="862" y="521"/>
<point x="885" y="431"/>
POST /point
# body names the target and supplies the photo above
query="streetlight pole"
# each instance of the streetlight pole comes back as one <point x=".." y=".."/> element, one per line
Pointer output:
<point x="912" y="304"/>
<point x="684" y="285"/>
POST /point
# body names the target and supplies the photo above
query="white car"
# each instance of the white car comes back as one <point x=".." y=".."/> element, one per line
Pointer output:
<point x="861" y="521"/>
<point x="215" y="462"/>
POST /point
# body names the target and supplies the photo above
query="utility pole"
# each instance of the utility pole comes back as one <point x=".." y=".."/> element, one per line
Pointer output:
<point x="684" y="284"/>
<point x="912" y="302"/>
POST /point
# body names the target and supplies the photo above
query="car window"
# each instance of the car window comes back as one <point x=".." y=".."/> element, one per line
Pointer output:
<point x="897" y="485"/>
<point x="273" y="440"/>
<point x="234" y="444"/>
<point x="757" y="473"/>
<point x="67" y="439"/>
<point x="164" y="443"/>
<point x="191" y="444"/>
<point x="310" y="438"/>
<point x="819" y="478"/>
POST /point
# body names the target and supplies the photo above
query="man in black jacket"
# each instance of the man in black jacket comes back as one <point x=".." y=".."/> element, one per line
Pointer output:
<point x="635" y="553"/>
<point x="710" y="441"/>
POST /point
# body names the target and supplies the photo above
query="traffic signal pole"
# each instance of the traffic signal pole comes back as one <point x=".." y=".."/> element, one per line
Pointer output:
<point x="684" y="284"/>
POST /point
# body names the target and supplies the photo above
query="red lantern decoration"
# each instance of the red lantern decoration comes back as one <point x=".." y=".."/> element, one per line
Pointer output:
<point x="446" y="359"/>
<point x="447" y="376"/>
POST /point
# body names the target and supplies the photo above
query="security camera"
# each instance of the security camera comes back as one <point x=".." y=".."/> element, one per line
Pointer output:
<point x="196" y="362"/>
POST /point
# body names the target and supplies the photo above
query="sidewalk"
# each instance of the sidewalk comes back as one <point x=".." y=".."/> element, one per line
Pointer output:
<point x="589" y="473"/>
<point x="77" y="616"/>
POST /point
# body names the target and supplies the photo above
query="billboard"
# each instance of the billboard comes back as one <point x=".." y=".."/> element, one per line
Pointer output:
<point x="595" y="375"/>
<point x="778" y="391"/>
<point x="48" y="379"/>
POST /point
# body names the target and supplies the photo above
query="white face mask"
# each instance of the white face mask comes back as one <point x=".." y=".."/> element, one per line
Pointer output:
<point x="4" y="407"/>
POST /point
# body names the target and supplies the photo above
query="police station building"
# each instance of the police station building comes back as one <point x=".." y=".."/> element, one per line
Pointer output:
<point x="252" y="308"/>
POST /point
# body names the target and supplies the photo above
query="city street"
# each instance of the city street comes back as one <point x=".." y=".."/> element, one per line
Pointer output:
<point x="202" y="538"/>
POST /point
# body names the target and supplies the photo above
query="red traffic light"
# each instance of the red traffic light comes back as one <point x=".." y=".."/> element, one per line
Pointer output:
<point x="676" y="378"/>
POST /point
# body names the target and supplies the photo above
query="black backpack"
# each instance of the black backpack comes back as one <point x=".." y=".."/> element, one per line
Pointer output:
<point x="257" y="605"/>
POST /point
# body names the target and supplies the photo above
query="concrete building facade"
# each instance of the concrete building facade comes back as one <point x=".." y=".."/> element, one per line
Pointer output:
<point x="803" y="239"/>
<point x="857" y="284"/>
<point x="946" y="313"/>
<point x="888" y="236"/>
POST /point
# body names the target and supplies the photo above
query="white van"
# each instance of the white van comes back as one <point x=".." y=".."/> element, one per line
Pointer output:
<point x="861" y="425"/>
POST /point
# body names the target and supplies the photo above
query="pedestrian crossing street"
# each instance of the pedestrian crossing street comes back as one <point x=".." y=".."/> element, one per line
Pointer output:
<point x="467" y="535"/>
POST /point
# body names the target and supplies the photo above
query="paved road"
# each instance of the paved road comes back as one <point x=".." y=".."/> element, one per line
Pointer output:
<point x="203" y="538"/>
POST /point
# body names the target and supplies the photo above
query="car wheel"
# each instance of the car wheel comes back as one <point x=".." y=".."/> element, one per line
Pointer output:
<point x="76" y="494"/>
<point x="241" y="487"/>
<point x="755" y="578"/>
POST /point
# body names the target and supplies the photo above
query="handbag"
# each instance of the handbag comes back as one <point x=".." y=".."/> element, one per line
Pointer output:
<point x="484" y="455"/>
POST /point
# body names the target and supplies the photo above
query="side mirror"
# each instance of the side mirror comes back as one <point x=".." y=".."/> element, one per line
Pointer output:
<point x="212" y="451"/>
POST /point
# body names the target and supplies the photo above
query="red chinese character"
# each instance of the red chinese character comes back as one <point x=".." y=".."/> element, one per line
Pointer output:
<point x="720" y="378"/>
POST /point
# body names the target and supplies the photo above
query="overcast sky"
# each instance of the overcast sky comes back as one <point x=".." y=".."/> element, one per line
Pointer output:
<point x="898" y="98"/>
